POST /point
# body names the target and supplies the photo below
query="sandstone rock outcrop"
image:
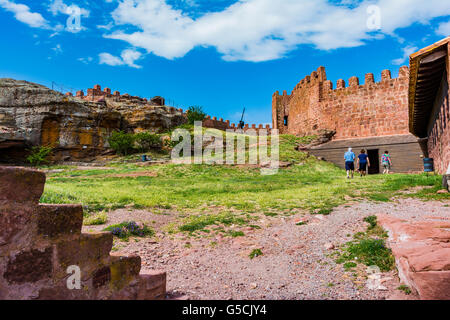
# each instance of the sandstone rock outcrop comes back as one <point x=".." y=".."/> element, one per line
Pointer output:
<point x="422" y="254"/>
<point x="32" y="114"/>
<point x="38" y="243"/>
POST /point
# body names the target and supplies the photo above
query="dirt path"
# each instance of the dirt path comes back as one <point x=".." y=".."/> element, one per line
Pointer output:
<point x="296" y="261"/>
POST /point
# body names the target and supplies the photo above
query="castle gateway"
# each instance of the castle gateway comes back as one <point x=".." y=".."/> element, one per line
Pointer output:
<point x="373" y="116"/>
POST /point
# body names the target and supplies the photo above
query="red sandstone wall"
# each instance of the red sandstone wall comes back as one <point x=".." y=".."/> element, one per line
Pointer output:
<point x="38" y="242"/>
<point x="220" y="124"/>
<point x="354" y="111"/>
<point x="96" y="94"/>
<point x="439" y="139"/>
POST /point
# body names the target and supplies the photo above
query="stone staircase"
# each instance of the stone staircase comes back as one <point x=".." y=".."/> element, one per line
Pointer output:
<point x="40" y="245"/>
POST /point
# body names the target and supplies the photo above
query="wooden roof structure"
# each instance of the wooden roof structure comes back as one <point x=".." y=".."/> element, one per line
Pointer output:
<point x="358" y="143"/>
<point x="427" y="67"/>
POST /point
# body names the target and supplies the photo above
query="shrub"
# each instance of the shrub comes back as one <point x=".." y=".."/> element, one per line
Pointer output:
<point x="39" y="155"/>
<point x="146" y="140"/>
<point x="121" y="142"/>
<point x="195" y="113"/>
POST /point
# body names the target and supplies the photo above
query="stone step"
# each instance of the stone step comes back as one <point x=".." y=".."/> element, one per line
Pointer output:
<point x="21" y="184"/>
<point x="152" y="285"/>
<point x="59" y="220"/>
<point x="90" y="252"/>
<point x="124" y="269"/>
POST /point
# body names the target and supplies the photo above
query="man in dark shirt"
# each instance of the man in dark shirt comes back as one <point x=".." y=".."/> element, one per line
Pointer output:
<point x="363" y="162"/>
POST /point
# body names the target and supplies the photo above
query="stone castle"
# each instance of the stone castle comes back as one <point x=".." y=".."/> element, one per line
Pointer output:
<point x="368" y="110"/>
<point x="373" y="116"/>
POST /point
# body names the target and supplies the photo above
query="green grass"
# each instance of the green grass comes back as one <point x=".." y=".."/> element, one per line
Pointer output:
<point x="368" y="248"/>
<point x="255" y="253"/>
<point x="372" y="221"/>
<point x="314" y="186"/>
<point x="200" y="222"/>
<point x="95" y="219"/>
<point x="405" y="289"/>
<point x="236" y="234"/>
<point x="349" y="265"/>
<point x="371" y="252"/>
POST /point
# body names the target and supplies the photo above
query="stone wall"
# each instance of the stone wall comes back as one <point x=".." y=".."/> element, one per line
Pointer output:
<point x="39" y="242"/>
<point x="439" y="137"/>
<point x="96" y="94"/>
<point x="372" y="109"/>
<point x="439" y="140"/>
<point x="226" y="125"/>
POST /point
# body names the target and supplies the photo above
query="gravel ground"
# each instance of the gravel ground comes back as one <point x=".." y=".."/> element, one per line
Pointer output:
<point x="295" y="264"/>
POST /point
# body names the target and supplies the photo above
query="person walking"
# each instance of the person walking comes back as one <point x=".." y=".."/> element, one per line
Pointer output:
<point x="349" y="157"/>
<point x="363" y="162"/>
<point x="386" y="162"/>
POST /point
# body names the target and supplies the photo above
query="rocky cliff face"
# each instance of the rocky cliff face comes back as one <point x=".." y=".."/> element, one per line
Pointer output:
<point x="31" y="114"/>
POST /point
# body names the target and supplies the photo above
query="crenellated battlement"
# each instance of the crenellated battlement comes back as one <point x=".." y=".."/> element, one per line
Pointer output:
<point x="224" y="125"/>
<point x="317" y="103"/>
<point x="96" y="94"/>
<point x="319" y="77"/>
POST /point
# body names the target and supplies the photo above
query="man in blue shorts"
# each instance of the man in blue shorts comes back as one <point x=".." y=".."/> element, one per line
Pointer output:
<point x="349" y="157"/>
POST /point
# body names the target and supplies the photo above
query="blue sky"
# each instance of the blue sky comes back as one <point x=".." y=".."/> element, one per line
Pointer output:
<point x="220" y="54"/>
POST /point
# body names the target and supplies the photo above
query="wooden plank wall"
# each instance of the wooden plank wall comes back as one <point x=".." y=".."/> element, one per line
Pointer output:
<point x="405" y="157"/>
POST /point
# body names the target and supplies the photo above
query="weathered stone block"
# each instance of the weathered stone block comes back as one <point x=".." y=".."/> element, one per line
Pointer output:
<point x="152" y="285"/>
<point x="101" y="277"/>
<point x="432" y="285"/>
<point x="88" y="252"/>
<point x="15" y="222"/>
<point x="58" y="220"/>
<point x="124" y="269"/>
<point x="29" y="266"/>
<point x="20" y="184"/>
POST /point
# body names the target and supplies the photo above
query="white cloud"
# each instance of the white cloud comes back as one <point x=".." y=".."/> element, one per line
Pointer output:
<point x="127" y="57"/>
<point x="23" y="14"/>
<point x="58" y="6"/>
<point x="407" y="51"/>
<point x="86" y="60"/>
<point x="261" y="30"/>
<point x="106" y="58"/>
<point x="444" y="29"/>
<point x="105" y="26"/>
<point x="58" y="49"/>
